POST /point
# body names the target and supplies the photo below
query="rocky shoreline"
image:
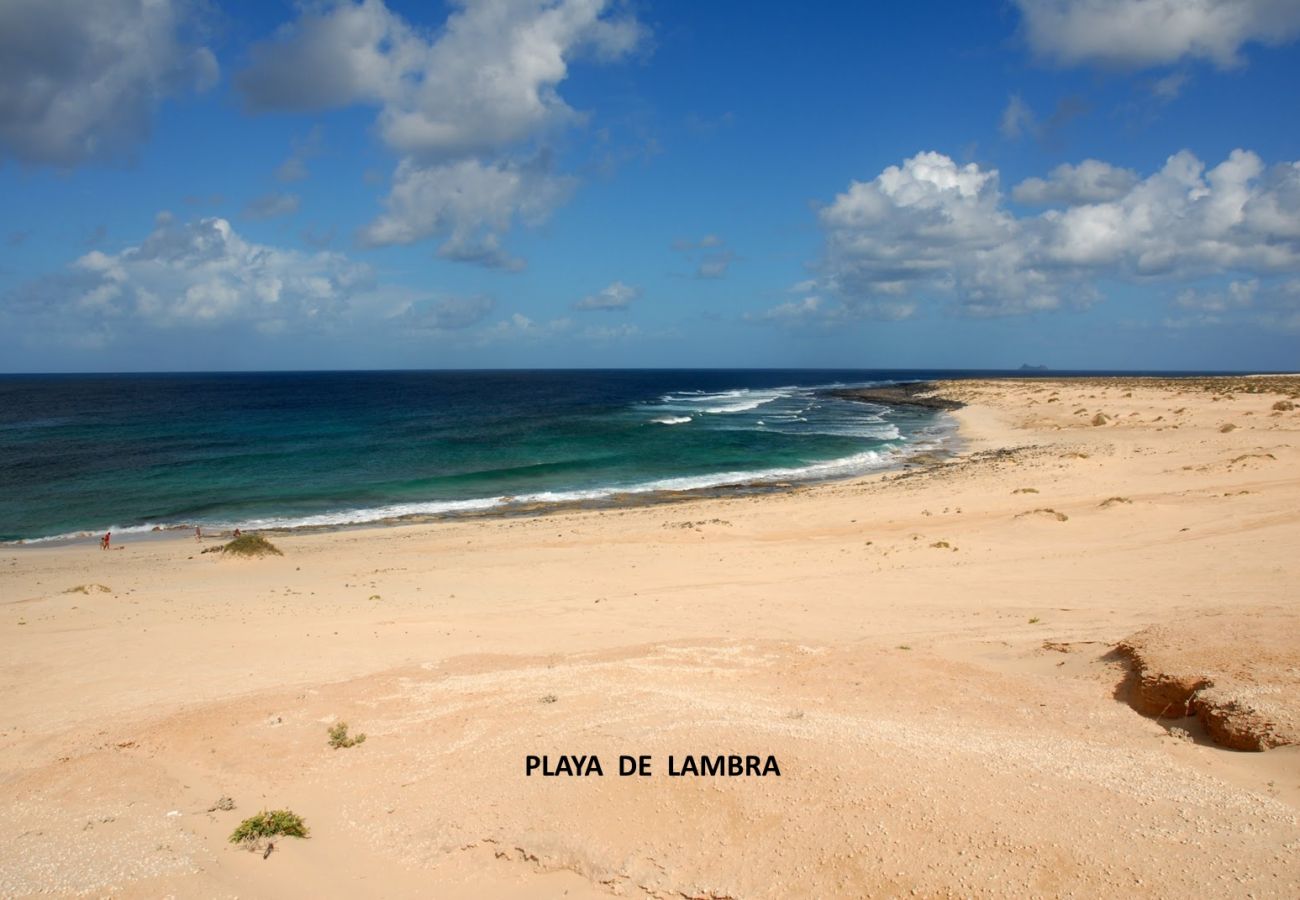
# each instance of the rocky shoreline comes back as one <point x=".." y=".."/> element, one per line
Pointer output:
<point x="911" y="393"/>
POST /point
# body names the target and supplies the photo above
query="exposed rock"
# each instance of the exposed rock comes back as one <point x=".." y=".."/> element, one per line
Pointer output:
<point x="1238" y="673"/>
<point x="913" y="393"/>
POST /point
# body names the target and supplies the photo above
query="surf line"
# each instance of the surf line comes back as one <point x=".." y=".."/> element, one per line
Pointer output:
<point x="731" y="765"/>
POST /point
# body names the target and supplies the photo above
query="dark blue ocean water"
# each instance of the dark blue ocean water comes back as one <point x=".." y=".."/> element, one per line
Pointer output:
<point x="83" y="453"/>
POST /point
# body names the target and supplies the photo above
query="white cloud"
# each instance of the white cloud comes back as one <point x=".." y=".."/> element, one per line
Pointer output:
<point x="195" y="275"/>
<point x="615" y="297"/>
<point x="458" y="104"/>
<point x="469" y="204"/>
<point x="1091" y="181"/>
<point x="931" y="230"/>
<point x="1135" y="34"/>
<point x="796" y="311"/>
<point x="79" y="81"/>
<point x="334" y="54"/>
<point x="486" y="79"/>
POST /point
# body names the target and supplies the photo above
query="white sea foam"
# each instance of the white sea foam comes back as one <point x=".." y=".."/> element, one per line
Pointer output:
<point x="672" y="420"/>
<point x="96" y="533"/>
<point x="848" y="465"/>
<point x="743" y="406"/>
<point x="377" y="513"/>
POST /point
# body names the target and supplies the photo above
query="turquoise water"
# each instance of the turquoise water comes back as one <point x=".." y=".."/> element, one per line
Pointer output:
<point x="82" y="454"/>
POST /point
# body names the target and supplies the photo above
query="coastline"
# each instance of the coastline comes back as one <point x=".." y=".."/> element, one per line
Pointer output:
<point x="929" y="652"/>
<point x="926" y="395"/>
<point x="714" y="485"/>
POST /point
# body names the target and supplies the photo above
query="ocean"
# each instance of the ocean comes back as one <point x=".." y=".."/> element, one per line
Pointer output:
<point x="81" y="454"/>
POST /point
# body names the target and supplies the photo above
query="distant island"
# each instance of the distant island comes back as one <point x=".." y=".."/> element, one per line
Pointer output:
<point x="1026" y="367"/>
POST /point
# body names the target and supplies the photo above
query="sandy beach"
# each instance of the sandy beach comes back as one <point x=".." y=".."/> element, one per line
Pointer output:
<point x="1064" y="662"/>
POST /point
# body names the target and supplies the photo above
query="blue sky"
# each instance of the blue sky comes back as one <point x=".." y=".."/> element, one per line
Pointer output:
<point x="275" y="185"/>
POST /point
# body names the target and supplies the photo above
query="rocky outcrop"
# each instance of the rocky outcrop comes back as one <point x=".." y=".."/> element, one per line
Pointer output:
<point x="1238" y="673"/>
<point x="912" y="393"/>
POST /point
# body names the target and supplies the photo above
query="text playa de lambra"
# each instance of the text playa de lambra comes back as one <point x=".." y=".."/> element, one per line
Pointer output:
<point x="728" y="765"/>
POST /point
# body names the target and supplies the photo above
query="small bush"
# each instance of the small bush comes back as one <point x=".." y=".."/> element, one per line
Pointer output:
<point x="1045" y="511"/>
<point x="224" y="803"/>
<point x="271" y="824"/>
<point x="340" y="739"/>
<point x="251" y="545"/>
<point x="1284" y="406"/>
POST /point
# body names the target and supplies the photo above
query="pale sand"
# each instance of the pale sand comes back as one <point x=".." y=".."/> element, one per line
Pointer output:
<point x="929" y="742"/>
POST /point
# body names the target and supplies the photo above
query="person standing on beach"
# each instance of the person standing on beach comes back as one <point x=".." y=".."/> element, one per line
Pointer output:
<point x="105" y="540"/>
<point x="198" y="532"/>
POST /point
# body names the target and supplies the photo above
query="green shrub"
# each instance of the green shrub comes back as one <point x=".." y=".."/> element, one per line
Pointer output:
<point x="340" y="739"/>
<point x="251" y="545"/>
<point x="270" y="824"/>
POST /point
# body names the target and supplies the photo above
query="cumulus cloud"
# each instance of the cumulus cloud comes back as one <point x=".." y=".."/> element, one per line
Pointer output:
<point x="457" y="104"/>
<point x="469" y="204"/>
<point x="1134" y="34"/>
<point x="197" y="274"/>
<point x="931" y="229"/>
<point x="487" y="78"/>
<point x="1091" y="181"/>
<point x="333" y="55"/>
<point x="80" y="81"/>
<point x="614" y="298"/>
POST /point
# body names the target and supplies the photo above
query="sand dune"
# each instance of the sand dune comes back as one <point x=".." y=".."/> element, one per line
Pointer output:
<point x="931" y="655"/>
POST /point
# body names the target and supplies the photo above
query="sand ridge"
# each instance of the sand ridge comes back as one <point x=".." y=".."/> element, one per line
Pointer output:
<point x="931" y="658"/>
